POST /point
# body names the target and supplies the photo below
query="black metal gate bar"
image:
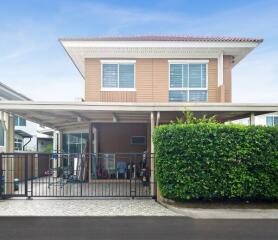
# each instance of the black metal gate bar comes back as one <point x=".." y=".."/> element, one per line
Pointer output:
<point x="67" y="175"/>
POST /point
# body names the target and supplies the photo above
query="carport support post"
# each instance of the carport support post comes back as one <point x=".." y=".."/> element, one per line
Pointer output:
<point x="90" y="140"/>
<point x="57" y="145"/>
<point x="152" y="154"/>
<point x="9" y="161"/>
<point x="252" y="119"/>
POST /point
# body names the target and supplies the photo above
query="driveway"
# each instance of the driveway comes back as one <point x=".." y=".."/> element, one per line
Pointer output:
<point x="135" y="228"/>
<point x="48" y="207"/>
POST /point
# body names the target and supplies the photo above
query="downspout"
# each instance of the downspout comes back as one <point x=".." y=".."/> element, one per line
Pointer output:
<point x="30" y="138"/>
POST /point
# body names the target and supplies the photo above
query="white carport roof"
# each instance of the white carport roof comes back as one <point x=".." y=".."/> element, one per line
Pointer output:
<point x="71" y="115"/>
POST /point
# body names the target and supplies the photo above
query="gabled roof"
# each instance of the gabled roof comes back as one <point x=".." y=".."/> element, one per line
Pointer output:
<point x="167" y="38"/>
<point x="7" y="93"/>
<point x="156" y="46"/>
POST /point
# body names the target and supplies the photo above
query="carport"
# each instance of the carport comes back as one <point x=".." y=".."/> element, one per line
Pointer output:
<point x="71" y="116"/>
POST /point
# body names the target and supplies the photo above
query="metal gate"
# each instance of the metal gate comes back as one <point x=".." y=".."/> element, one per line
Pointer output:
<point x="76" y="175"/>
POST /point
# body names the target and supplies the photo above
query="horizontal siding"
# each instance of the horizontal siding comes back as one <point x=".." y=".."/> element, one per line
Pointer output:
<point x="160" y="80"/>
<point x="151" y="82"/>
<point x="144" y="80"/>
<point x="212" y="81"/>
<point x="227" y="72"/>
<point x="115" y="96"/>
<point x="92" y="80"/>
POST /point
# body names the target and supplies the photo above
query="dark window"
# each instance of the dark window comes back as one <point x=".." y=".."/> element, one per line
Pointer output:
<point x="138" y="140"/>
<point x="18" y="121"/>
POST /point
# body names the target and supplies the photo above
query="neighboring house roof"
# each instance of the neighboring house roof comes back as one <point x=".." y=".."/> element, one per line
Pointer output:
<point x="155" y="46"/>
<point x="167" y="38"/>
<point x="46" y="131"/>
<point x="23" y="133"/>
<point x="7" y="93"/>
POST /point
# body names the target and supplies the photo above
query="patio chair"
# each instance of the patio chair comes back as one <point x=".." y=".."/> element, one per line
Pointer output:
<point x="121" y="169"/>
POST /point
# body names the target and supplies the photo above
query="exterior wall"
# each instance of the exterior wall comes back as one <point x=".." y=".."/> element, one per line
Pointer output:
<point x="30" y="128"/>
<point x="152" y="82"/>
<point x="212" y="81"/>
<point x="227" y="72"/>
<point x="259" y="120"/>
<point x="115" y="137"/>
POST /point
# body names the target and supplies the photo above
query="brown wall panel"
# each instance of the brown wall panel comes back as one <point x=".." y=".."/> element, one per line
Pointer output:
<point x="151" y="82"/>
<point x="116" y="137"/>
<point x="228" y="78"/>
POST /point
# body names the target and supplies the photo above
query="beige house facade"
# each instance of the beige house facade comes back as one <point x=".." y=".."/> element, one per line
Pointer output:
<point x="133" y="84"/>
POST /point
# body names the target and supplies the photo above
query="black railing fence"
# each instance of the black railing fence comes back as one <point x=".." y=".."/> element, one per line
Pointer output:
<point x="77" y="175"/>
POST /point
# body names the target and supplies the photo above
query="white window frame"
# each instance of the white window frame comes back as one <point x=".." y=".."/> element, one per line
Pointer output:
<point x="118" y="62"/>
<point x="18" y="140"/>
<point x="172" y="62"/>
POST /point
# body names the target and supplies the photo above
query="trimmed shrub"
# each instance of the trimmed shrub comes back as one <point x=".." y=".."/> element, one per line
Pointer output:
<point x="213" y="161"/>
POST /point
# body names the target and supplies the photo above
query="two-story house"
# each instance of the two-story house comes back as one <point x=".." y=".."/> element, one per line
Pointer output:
<point x="133" y="84"/>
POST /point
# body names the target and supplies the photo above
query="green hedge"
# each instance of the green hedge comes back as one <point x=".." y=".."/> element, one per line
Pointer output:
<point x="213" y="161"/>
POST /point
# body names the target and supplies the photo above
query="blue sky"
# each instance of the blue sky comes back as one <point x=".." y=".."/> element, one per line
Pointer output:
<point x="33" y="62"/>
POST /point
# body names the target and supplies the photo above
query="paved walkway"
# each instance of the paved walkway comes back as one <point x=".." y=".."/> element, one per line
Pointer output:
<point x="48" y="207"/>
<point x="201" y="213"/>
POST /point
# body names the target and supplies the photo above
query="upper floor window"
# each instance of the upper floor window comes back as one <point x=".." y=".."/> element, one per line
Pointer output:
<point x="272" y="121"/>
<point x="188" y="81"/>
<point x="18" y="121"/>
<point x="118" y="76"/>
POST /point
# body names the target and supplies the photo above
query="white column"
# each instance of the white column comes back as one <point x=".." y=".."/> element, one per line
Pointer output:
<point x="9" y="147"/>
<point x="94" y="157"/>
<point x="252" y="119"/>
<point x="57" y="147"/>
<point x="152" y="153"/>
<point x="57" y="141"/>
<point x="95" y="142"/>
<point x="220" y="72"/>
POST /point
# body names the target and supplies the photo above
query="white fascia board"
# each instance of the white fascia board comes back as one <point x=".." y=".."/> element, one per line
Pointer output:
<point x="164" y="44"/>
<point x="188" y="61"/>
<point x="118" y="61"/>
<point x="98" y="106"/>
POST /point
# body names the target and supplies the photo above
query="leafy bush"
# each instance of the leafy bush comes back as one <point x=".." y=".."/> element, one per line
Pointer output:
<point x="48" y="148"/>
<point x="213" y="161"/>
